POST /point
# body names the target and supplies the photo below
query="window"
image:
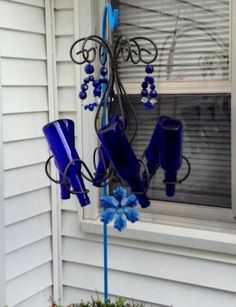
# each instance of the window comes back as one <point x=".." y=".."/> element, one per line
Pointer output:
<point x="193" y="73"/>
<point x="206" y="120"/>
<point x="211" y="96"/>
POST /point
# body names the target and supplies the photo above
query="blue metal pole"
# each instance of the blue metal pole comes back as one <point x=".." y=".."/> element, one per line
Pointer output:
<point x="111" y="16"/>
<point x="104" y="190"/>
<point x="105" y="252"/>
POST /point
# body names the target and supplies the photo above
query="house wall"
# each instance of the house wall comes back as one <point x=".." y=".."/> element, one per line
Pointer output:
<point x="154" y="273"/>
<point x="26" y="209"/>
<point x="157" y="274"/>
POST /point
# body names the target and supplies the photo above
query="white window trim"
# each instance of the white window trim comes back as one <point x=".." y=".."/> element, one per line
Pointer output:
<point x="180" y="225"/>
<point x="194" y="87"/>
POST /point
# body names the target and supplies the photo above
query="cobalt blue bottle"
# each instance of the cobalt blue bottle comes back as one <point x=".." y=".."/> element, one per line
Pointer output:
<point x="152" y="153"/>
<point x="123" y="159"/>
<point x="104" y="161"/>
<point x="171" y="152"/>
<point x="65" y="193"/>
<point x="64" y="153"/>
<point x="102" y="166"/>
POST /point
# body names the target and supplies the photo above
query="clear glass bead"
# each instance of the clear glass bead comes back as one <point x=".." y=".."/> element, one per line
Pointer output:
<point x="153" y="100"/>
<point x="144" y="99"/>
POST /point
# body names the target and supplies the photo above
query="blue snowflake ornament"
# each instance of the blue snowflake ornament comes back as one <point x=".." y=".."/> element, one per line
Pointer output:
<point x="119" y="208"/>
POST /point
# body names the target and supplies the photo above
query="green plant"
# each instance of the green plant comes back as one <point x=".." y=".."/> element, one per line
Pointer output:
<point x="120" y="302"/>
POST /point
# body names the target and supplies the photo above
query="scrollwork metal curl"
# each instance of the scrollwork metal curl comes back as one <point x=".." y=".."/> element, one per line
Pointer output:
<point x="87" y="50"/>
<point x="128" y="49"/>
<point x="89" y="54"/>
<point x="136" y="50"/>
<point x="153" y="52"/>
<point x="85" y="53"/>
<point x="131" y="49"/>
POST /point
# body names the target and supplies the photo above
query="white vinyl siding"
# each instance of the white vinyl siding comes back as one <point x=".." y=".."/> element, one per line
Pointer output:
<point x="66" y="84"/>
<point x="152" y="273"/>
<point x="27" y="196"/>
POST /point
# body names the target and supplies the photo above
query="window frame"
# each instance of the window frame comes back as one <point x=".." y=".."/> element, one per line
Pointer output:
<point x="191" y="218"/>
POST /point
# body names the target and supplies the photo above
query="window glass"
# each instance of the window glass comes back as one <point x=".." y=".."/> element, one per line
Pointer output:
<point x="206" y="121"/>
<point x="192" y="37"/>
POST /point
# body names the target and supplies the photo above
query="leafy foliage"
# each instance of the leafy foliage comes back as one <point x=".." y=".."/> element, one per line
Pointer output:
<point x="120" y="302"/>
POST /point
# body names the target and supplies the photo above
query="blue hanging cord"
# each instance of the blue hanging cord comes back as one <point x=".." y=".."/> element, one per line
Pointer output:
<point x="112" y="17"/>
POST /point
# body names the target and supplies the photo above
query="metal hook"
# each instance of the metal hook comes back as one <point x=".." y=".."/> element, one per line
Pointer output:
<point x="113" y="18"/>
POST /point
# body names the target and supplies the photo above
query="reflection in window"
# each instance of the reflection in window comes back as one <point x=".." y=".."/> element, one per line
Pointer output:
<point x="193" y="40"/>
<point x="206" y="120"/>
<point x="192" y="37"/>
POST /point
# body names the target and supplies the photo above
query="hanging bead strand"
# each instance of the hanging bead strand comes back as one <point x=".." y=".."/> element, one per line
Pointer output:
<point x="149" y="99"/>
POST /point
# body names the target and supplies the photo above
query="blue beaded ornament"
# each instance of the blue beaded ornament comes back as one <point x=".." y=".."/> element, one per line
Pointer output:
<point x="149" y="99"/>
<point x="97" y="88"/>
<point x="103" y="71"/>
<point x="89" y="69"/>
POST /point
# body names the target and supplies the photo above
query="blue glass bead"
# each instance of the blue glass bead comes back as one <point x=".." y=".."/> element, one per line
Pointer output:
<point x="152" y="87"/>
<point x="90" y="107"/>
<point x="82" y="95"/>
<point x="103" y="71"/>
<point x="151" y="80"/>
<point x="96" y="83"/>
<point x="144" y="93"/>
<point x="103" y="81"/>
<point x="95" y="104"/>
<point x="153" y="94"/>
<point x="86" y="107"/>
<point x="144" y="84"/>
<point x="86" y="80"/>
<point x="148" y="105"/>
<point x="146" y="79"/>
<point x="84" y="87"/>
<point x="91" y="78"/>
<point x="97" y="92"/>
<point x="149" y="69"/>
<point x="89" y="69"/>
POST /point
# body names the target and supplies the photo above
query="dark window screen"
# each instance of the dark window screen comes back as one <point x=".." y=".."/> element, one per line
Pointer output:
<point x="207" y="143"/>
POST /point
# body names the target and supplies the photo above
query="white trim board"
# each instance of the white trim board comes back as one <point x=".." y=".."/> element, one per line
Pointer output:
<point x="53" y="115"/>
<point x="171" y="235"/>
<point x="233" y="105"/>
<point x="190" y="87"/>
<point x="2" y="209"/>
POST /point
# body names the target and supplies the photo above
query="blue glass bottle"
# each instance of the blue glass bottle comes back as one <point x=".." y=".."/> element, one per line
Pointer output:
<point x="65" y="193"/>
<point x="103" y="164"/>
<point x="152" y="153"/>
<point x="171" y="152"/>
<point x="64" y="152"/>
<point x="104" y="161"/>
<point x="123" y="159"/>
